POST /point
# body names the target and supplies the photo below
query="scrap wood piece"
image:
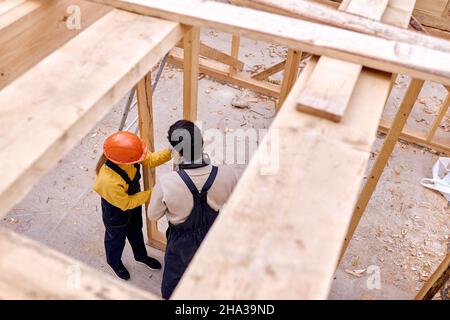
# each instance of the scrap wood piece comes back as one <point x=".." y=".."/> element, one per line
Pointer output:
<point x="32" y="271"/>
<point x="54" y="104"/>
<point x="331" y="85"/>
<point x="375" y="52"/>
<point x="299" y="245"/>
<point x="329" y="89"/>
<point x="216" y="54"/>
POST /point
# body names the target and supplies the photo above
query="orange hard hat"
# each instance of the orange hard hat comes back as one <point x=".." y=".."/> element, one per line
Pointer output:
<point x="124" y="147"/>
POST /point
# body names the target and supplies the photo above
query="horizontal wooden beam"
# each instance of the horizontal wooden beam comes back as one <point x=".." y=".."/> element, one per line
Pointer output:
<point x="45" y="112"/>
<point x="32" y="271"/>
<point x="294" y="257"/>
<point x="396" y="56"/>
<point x="34" y="29"/>
<point x="220" y="72"/>
<point x="412" y="135"/>
<point x="392" y="25"/>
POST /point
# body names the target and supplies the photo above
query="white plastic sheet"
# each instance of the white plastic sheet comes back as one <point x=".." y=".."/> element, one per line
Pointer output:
<point x="441" y="177"/>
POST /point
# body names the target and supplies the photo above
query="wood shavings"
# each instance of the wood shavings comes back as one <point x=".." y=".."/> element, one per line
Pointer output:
<point x="357" y="273"/>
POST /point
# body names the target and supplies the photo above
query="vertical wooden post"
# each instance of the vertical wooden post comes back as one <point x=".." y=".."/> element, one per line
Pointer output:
<point x="145" y="111"/>
<point x="389" y="143"/>
<point x="438" y="120"/>
<point x="191" y="43"/>
<point x="393" y="79"/>
<point x="235" y="43"/>
<point x="290" y="74"/>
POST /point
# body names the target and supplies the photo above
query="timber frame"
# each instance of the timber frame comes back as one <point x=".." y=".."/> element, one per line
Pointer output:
<point x="83" y="72"/>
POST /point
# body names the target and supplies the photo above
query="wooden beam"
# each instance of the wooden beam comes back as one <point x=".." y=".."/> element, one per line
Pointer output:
<point x="392" y="56"/>
<point x="235" y="43"/>
<point x="31" y="31"/>
<point x="191" y="44"/>
<point x="52" y="106"/>
<point x="312" y="207"/>
<point x="380" y="163"/>
<point x="263" y="75"/>
<point x="436" y="281"/>
<point x="414" y="136"/>
<point x="442" y="112"/>
<point x="220" y="72"/>
<point x="146" y="129"/>
<point x="329" y="89"/>
<point x="290" y="75"/>
<point x="215" y="54"/>
<point x="373" y="9"/>
<point x="395" y="19"/>
<point x="32" y="271"/>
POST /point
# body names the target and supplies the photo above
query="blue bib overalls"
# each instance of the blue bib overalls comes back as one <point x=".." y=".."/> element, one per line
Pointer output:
<point x="184" y="239"/>
<point x="121" y="225"/>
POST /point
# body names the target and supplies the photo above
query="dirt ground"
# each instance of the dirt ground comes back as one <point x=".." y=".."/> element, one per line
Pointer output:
<point x="402" y="236"/>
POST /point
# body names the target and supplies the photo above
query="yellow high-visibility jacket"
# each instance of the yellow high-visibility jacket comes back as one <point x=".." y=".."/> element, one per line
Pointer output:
<point x="111" y="187"/>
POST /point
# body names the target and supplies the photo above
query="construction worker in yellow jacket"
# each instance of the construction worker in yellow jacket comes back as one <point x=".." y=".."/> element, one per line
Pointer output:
<point x="118" y="183"/>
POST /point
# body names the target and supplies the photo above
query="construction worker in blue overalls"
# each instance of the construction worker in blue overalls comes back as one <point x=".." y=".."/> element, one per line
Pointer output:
<point x="118" y="184"/>
<point x="191" y="198"/>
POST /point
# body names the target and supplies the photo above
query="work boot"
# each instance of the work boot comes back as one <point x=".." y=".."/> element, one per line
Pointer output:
<point x="150" y="263"/>
<point x="122" y="272"/>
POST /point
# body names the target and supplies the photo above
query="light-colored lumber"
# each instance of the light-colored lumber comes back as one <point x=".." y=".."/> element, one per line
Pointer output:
<point x="373" y="9"/>
<point x="438" y="279"/>
<point x="398" y="13"/>
<point x="146" y="130"/>
<point x="329" y="89"/>
<point x="380" y="163"/>
<point x="191" y="45"/>
<point x="442" y="112"/>
<point x="235" y="43"/>
<point x="290" y="74"/>
<point x="220" y="56"/>
<point x="292" y="256"/>
<point x="392" y="56"/>
<point x="31" y="31"/>
<point x="216" y="54"/>
<point x="32" y="271"/>
<point x="415" y="136"/>
<point x="263" y="75"/>
<point x="52" y="106"/>
<point x="220" y="72"/>
<point x="394" y="20"/>
<point x="331" y="85"/>
<point x="7" y="5"/>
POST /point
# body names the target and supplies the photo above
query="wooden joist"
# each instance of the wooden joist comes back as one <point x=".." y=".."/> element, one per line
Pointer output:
<point x="53" y="105"/>
<point x="394" y="21"/>
<point x="312" y="207"/>
<point x="32" y="30"/>
<point x="32" y="271"/>
<point x="415" y="60"/>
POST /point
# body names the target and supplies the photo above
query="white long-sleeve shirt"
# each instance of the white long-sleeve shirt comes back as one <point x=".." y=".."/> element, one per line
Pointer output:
<point x="171" y="196"/>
